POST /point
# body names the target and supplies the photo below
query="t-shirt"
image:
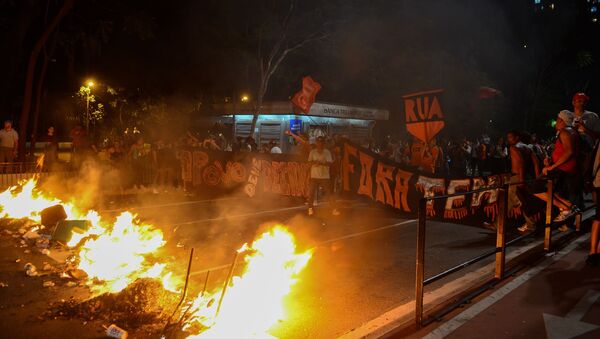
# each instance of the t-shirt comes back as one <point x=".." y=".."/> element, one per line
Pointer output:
<point x="591" y="121"/>
<point x="320" y="171"/>
<point x="8" y="139"/>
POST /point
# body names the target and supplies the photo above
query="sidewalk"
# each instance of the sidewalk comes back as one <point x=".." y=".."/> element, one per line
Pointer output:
<point x="557" y="298"/>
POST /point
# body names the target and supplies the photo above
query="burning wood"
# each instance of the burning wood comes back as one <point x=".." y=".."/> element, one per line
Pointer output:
<point x="122" y="262"/>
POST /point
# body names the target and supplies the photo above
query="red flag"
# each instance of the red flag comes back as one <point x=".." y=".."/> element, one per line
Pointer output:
<point x="306" y="96"/>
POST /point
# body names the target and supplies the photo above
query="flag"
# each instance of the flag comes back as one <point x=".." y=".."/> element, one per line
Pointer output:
<point x="424" y="115"/>
<point x="306" y="96"/>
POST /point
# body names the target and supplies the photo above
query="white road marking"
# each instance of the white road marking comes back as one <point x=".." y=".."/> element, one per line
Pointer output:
<point x="357" y="234"/>
<point x="570" y="325"/>
<point x="451" y="325"/>
<point x="169" y="204"/>
<point x="345" y="237"/>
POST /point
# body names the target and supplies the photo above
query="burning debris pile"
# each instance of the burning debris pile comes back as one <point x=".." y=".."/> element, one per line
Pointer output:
<point x="144" y="304"/>
<point x="123" y="263"/>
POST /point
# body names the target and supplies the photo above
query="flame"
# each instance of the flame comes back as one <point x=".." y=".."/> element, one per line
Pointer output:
<point x="112" y="254"/>
<point x="39" y="164"/>
<point x="118" y="256"/>
<point x="254" y="301"/>
<point x="116" y="253"/>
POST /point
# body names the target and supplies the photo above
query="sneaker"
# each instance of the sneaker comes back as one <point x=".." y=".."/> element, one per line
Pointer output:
<point x="310" y="211"/>
<point x="563" y="228"/>
<point x="525" y="229"/>
<point x="335" y="212"/>
<point x="562" y="216"/>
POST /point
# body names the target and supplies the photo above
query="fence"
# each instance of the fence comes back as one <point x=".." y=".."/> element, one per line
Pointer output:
<point x="501" y="243"/>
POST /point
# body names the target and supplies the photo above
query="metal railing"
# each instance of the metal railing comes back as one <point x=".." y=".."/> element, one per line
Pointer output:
<point x="501" y="243"/>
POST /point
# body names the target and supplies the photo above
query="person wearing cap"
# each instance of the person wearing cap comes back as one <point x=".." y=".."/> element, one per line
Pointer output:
<point x="563" y="165"/>
<point x="320" y="159"/>
<point x="585" y="122"/>
<point x="9" y="140"/>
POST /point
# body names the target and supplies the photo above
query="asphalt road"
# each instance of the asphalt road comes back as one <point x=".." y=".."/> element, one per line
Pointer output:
<point x="363" y="262"/>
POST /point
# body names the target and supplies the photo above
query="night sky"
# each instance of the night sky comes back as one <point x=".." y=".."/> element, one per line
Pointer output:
<point x="375" y="52"/>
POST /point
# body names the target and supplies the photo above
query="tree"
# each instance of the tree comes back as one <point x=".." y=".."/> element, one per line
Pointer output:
<point x="284" y="37"/>
<point x="31" y="66"/>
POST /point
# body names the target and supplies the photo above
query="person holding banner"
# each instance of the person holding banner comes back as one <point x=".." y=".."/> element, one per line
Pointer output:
<point x="320" y="159"/>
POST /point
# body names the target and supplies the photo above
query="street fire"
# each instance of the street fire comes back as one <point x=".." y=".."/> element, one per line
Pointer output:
<point x="254" y="301"/>
<point x="113" y="255"/>
<point x="117" y="254"/>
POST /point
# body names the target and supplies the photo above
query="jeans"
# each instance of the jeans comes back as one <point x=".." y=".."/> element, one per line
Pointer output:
<point x="314" y="187"/>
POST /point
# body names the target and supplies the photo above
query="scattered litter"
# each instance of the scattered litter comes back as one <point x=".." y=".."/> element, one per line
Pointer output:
<point x="22" y="231"/>
<point x="18" y="260"/>
<point x="49" y="283"/>
<point x="71" y="284"/>
<point x="64" y="275"/>
<point x="3" y="284"/>
<point x="115" y="331"/>
<point x="45" y="251"/>
<point x="27" y="251"/>
<point x="43" y="241"/>
<point x="30" y="270"/>
<point x="31" y="235"/>
<point x="47" y="267"/>
<point x="8" y="232"/>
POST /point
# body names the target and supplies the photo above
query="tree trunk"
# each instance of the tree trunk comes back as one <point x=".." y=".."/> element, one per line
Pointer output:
<point x="259" y="102"/>
<point x="29" y="79"/>
<point x="38" y="101"/>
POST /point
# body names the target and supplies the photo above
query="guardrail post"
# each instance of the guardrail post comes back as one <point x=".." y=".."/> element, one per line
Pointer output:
<point x="501" y="235"/>
<point x="578" y="221"/>
<point x="548" y="229"/>
<point x="420" y="263"/>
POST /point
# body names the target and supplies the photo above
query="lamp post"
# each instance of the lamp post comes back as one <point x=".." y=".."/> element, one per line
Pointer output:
<point x="88" y="91"/>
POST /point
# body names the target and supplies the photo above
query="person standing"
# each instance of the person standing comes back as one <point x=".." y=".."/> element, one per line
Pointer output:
<point x="525" y="168"/>
<point x="50" y="148"/>
<point x="585" y="122"/>
<point x="563" y="164"/>
<point x="138" y="160"/>
<point x="594" y="255"/>
<point x="9" y="140"/>
<point x="320" y="159"/>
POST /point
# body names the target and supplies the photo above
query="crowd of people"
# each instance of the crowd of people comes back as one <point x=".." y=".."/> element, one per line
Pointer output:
<point x="571" y="159"/>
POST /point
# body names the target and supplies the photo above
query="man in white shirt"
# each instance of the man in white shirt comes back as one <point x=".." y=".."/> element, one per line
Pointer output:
<point x="9" y="139"/>
<point x="320" y="159"/>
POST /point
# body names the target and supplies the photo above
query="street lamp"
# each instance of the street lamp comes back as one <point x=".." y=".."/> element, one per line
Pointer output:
<point x="245" y="98"/>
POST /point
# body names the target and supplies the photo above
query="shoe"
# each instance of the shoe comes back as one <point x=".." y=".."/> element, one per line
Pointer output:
<point x="335" y="212"/>
<point x="562" y="216"/>
<point x="310" y="211"/>
<point x="525" y="229"/>
<point x="563" y="228"/>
